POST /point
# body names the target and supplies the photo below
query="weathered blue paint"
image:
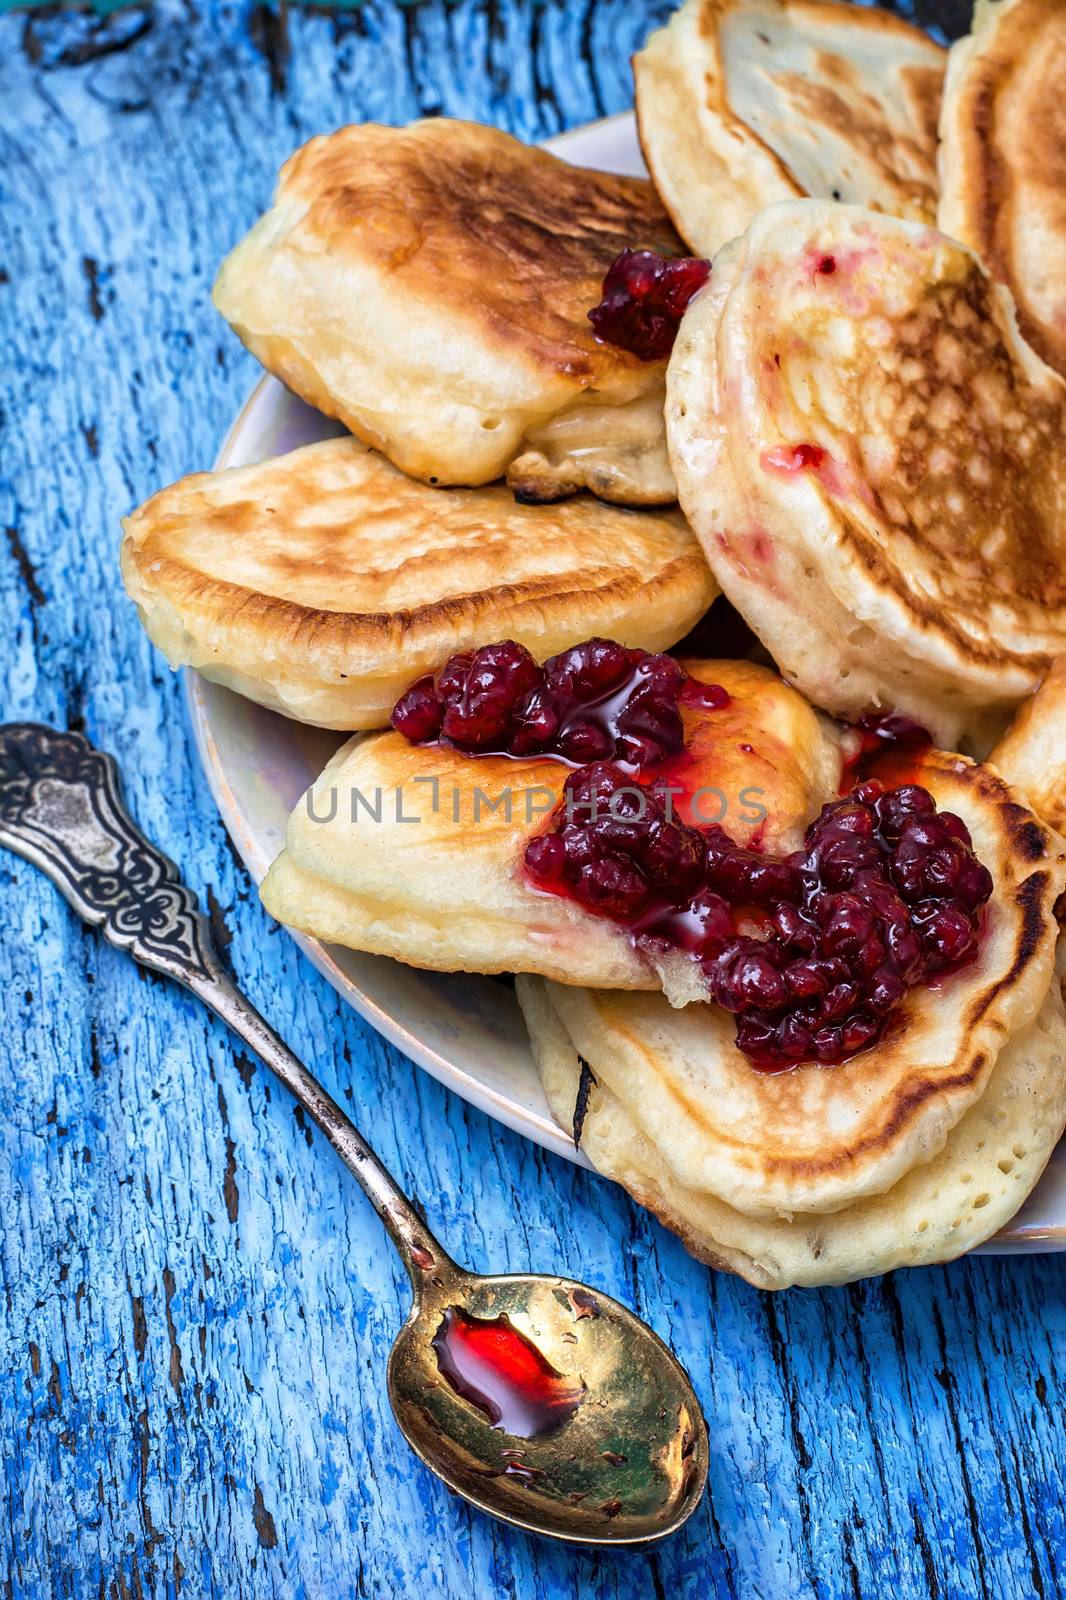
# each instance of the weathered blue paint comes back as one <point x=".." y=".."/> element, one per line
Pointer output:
<point x="195" y="1304"/>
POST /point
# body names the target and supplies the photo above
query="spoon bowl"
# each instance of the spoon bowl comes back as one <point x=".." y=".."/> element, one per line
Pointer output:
<point x="611" y="1446"/>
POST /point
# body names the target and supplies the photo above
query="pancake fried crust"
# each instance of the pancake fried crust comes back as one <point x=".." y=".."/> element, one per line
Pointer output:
<point x="416" y="852"/>
<point x="1032" y="753"/>
<point x="1003" y="159"/>
<point x="430" y="287"/>
<point x="324" y="582"/>
<point x="742" y="103"/>
<point x="872" y="459"/>
<point x="942" y="1207"/>
<point x="815" y="1139"/>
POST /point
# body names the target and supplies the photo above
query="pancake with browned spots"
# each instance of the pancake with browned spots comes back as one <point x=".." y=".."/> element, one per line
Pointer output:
<point x="816" y="1138"/>
<point x="949" y="1201"/>
<point x="1003" y="159"/>
<point x="322" y="583"/>
<point x="430" y="287"/>
<point x="873" y="460"/>
<point x="742" y="103"/>
<point x="427" y="866"/>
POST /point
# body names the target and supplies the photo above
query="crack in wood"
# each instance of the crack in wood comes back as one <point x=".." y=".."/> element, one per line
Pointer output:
<point x="26" y="569"/>
<point x="268" y="30"/>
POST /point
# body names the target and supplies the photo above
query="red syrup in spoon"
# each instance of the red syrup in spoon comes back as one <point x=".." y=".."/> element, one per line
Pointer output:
<point x="501" y="1372"/>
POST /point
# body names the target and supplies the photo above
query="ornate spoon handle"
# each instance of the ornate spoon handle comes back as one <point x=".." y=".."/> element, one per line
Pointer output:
<point x="61" y="807"/>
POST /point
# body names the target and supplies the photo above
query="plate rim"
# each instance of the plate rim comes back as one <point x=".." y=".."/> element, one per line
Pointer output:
<point x="543" y="1131"/>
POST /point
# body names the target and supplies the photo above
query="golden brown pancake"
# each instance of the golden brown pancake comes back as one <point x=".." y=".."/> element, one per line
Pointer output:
<point x="873" y="460"/>
<point x="817" y="1138"/>
<point x="430" y="286"/>
<point x="1003" y="159"/>
<point x="1031" y="755"/>
<point x="742" y="103"/>
<point x="944" y="1205"/>
<point x="322" y="583"/>
<point x="434" y="877"/>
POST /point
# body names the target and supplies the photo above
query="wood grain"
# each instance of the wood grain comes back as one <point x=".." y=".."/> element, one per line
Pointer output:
<point x="195" y="1304"/>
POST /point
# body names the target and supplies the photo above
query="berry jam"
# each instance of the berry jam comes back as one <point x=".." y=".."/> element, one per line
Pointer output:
<point x="891" y="749"/>
<point x="501" y="1372"/>
<point x="644" y="299"/>
<point x="597" y="701"/>
<point x="811" y="952"/>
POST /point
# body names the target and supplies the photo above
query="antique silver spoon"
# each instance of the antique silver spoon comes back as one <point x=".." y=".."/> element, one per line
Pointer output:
<point x="539" y="1400"/>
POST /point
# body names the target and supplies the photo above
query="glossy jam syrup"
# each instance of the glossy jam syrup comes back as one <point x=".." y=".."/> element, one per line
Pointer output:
<point x="501" y="1372"/>
<point x="811" y="952"/>
<point x="891" y="749"/>
<point x="596" y="701"/>
<point x="644" y="297"/>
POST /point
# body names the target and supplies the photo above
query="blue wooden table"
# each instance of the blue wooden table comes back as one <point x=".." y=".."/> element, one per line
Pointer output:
<point x="195" y="1303"/>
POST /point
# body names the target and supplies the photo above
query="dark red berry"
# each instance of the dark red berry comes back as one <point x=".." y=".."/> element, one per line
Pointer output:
<point x="894" y="808"/>
<point x="946" y="933"/>
<point x="886" y="989"/>
<point x="546" y="857"/>
<point x="795" y="930"/>
<point x="586" y="670"/>
<point x="858" y="1031"/>
<point x="795" y="1040"/>
<point x="534" y="724"/>
<point x="644" y="298"/>
<point x="748" y="980"/>
<point x="973" y="883"/>
<point x="829" y="1044"/>
<point x="807" y="978"/>
<point x="480" y="693"/>
<point x="586" y="742"/>
<point x="672" y="856"/>
<point x="596" y="701"/>
<point x="613" y="887"/>
<point x="418" y="713"/>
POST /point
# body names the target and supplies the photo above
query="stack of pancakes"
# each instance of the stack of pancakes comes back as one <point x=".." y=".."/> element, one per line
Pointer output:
<point x="858" y="441"/>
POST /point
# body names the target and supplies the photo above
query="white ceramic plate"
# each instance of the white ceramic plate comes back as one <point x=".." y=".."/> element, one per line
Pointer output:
<point x="467" y="1031"/>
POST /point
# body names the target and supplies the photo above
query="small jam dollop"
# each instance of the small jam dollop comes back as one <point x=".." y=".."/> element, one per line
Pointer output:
<point x="885" y="894"/>
<point x="596" y="701"/>
<point x="644" y="299"/>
